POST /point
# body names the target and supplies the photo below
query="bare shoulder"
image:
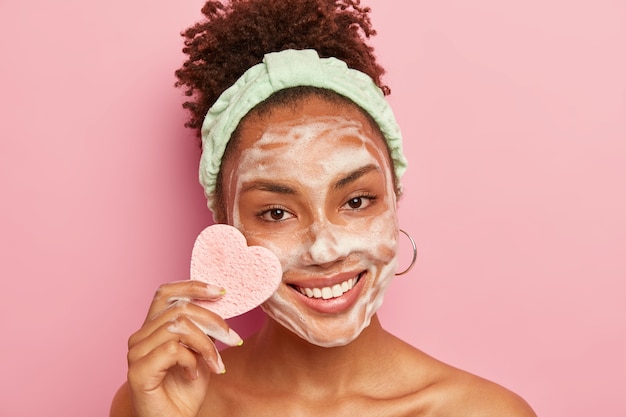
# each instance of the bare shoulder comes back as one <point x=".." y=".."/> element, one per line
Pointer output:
<point x="121" y="407"/>
<point x="459" y="393"/>
<point x="472" y="396"/>
<point x="448" y="391"/>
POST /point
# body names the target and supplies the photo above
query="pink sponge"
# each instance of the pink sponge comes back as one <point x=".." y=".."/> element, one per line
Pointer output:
<point x="250" y="274"/>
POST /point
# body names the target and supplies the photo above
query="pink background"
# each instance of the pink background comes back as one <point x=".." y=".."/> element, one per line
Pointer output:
<point x="514" y="115"/>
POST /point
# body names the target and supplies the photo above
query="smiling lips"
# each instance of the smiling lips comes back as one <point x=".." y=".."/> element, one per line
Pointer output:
<point x="326" y="293"/>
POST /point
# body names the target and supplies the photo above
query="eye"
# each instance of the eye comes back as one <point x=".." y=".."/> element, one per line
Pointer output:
<point x="355" y="202"/>
<point x="275" y="214"/>
<point x="359" y="202"/>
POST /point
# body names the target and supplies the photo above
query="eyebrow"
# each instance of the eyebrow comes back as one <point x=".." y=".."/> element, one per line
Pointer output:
<point x="277" y="188"/>
<point x="270" y="187"/>
<point x="355" y="175"/>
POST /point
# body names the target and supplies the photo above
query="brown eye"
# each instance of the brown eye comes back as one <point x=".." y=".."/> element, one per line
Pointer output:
<point x="355" y="202"/>
<point x="359" y="203"/>
<point x="277" y="214"/>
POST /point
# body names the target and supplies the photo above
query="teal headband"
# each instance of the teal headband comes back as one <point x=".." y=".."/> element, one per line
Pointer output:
<point x="287" y="69"/>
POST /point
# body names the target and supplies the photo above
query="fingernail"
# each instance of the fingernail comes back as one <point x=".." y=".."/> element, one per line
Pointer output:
<point x="220" y="365"/>
<point x="215" y="290"/>
<point x="233" y="338"/>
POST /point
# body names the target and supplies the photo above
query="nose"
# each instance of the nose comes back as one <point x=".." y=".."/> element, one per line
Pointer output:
<point x="325" y="245"/>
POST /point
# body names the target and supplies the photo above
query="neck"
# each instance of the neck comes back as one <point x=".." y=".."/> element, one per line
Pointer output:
<point x="285" y="358"/>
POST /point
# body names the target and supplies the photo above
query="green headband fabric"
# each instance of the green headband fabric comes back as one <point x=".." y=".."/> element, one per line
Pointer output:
<point x="286" y="69"/>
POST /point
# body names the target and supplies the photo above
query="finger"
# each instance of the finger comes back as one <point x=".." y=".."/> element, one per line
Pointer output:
<point x="181" y="331"/>
<point x="147" y="373"/>
<point x="208" y="352"/>
<point x="208" y="322"/>
<point x="188" y="290"/>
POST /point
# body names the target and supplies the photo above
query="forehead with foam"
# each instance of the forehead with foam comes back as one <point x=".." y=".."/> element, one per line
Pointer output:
<point x="287" y="145"/>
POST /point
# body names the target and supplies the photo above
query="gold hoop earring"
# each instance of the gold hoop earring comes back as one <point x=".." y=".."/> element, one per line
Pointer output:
<point x="414" y="254"/>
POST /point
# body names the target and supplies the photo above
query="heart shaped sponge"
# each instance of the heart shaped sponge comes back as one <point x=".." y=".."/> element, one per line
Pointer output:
<point x="250" y="274"/>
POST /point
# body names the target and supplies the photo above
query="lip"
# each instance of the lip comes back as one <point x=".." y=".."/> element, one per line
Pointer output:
<point x="319" y="282"/>
<point x="332" y="305"/>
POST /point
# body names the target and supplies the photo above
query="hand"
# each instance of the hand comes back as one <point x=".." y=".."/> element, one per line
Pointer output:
<point x="172" y="356"/>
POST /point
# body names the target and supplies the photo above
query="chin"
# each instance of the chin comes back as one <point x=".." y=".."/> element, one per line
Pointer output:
<point x="327" y="332"/>
<point x="330" y="342"/>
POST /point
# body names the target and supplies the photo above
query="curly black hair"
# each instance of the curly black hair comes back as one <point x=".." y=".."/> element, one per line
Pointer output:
<point x="236" y="34"/>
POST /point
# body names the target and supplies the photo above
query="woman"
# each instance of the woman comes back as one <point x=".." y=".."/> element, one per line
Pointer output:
<point x="302" y="154"/>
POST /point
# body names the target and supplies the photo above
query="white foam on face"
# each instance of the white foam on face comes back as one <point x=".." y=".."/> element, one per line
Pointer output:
<point x="310" y="153"/>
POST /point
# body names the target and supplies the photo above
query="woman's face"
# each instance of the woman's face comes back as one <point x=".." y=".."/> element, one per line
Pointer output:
<point x="313" y="184"/>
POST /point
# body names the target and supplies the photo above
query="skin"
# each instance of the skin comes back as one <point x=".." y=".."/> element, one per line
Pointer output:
<point x="330" y="221"/>
<point x="325" y="225"/>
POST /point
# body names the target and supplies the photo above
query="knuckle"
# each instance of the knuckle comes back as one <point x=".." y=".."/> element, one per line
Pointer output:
<point x="181" y="307"/>
<point x="179" y="322"/>
<point x="161" y="291"/>
<point x="132" y="340"/>
<point x="130" y="358"/>
<point x="171" y="347"/>
<point x="133" y="355"/>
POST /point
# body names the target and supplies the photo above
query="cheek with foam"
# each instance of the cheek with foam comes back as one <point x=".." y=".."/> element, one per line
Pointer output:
<point x="373" y="245"/>
<point x="375" y="253"/>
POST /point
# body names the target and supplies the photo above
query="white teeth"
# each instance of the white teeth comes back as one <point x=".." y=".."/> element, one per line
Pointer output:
<point x="337" y="291"/>
<point x="327" y="293"/>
